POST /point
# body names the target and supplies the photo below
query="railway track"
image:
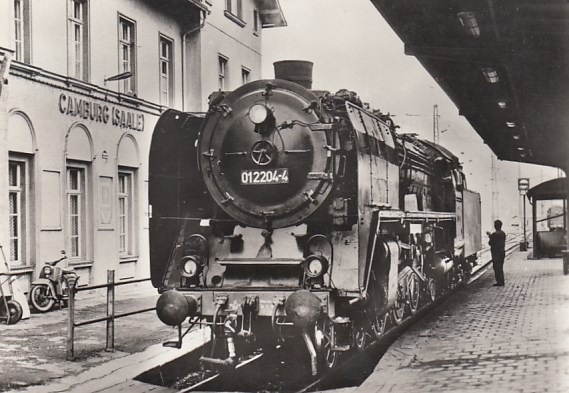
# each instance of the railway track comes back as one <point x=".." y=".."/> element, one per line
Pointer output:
<point x="276" y="370"/>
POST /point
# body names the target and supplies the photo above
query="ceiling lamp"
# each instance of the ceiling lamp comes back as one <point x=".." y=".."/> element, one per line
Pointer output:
<point x="516" y="137"/>
<point x="521" y="148"/>
<point x="502" y="104"/>
<point x="490" y="74"/>
<point x="469" y="23"/>
<point x="510" y="124"/>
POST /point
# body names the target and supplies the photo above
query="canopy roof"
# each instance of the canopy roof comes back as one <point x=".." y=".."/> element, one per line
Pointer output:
<point x="551" y="189"/>
<point x="505" y="64"/>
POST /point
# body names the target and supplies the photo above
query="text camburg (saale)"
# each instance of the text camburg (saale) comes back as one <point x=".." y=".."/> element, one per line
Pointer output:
<point x="100" y="113"/>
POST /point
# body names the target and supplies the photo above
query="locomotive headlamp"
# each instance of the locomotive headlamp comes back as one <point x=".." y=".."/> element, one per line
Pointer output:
<point x="190" y="267"/>
<point x="315" y="266"/>
<point x="258" y="113"/>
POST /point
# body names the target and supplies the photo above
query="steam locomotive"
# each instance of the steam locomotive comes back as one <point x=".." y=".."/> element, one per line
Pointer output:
<point x="287" y="213"/>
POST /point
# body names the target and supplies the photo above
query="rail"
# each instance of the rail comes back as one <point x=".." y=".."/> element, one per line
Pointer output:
<point x="109" y="318"/>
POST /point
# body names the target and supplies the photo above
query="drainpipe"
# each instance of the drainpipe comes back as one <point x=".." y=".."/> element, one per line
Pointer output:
<point x="566" y="220"/>
<point x="184" y="38"/>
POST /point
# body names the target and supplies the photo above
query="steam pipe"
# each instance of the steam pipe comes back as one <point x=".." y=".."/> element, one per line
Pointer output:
<point x="231" y="359"/>
<point x="311" y="351"/>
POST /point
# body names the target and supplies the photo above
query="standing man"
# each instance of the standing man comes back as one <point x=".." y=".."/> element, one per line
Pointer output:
<point x="498" y="249"/>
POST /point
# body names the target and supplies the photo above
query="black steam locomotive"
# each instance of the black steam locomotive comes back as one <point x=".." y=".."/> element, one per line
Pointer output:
<point x="294" y="214"/>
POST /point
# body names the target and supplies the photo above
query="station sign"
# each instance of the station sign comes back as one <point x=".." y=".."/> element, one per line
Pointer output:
<point x="523" y="185"/>
<point x="100" y="113"/>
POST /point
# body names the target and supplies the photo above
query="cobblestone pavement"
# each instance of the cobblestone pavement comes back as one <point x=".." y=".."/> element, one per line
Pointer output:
<point x="494" y="339"/>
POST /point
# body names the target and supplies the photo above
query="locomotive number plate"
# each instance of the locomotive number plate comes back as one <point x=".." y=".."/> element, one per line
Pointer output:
<point x="264" y="176"/>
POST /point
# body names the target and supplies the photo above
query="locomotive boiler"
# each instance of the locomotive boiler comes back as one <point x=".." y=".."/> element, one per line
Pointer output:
<point x="286" y="213"/>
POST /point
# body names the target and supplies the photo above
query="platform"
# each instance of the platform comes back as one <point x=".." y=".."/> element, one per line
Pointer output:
<point x="487" y="339"/>
<point x="33" y="351"/>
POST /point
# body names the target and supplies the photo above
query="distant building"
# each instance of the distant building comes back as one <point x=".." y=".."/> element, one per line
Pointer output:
<point x="84" y="89"/>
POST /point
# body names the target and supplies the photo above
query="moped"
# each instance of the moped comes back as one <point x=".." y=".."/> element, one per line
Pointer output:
<point x="53" y="285"/>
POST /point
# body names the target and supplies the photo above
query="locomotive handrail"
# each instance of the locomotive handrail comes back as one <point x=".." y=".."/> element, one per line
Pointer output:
<point x="202" y="239"/>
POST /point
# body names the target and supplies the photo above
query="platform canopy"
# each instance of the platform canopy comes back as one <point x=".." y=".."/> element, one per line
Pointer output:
<point x="505" y="64"/>
<point x="551" y="189"/>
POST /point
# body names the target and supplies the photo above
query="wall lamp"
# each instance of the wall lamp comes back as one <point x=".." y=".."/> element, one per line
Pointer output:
<point x="118" y="77"/>
<point x="490" y="74"/>
<point x="469" y="23"/>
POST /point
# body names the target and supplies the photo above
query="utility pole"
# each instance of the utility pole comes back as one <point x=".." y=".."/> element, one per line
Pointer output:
<point x="494" y="190"/>
<point x="436" y="123"/>
<point x="523" y="187"/>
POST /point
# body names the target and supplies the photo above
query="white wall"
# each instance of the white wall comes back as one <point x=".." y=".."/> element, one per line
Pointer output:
<point x="239" y="44"/>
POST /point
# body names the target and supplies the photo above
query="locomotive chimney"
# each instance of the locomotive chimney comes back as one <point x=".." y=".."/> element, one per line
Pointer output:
<point x="297" y="71"/>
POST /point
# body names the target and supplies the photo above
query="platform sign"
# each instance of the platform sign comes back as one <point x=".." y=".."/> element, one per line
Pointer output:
<point x="523" y="185"/>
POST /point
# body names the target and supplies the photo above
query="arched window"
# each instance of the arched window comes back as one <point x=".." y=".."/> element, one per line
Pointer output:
<point x="128" y="163"/>
<point x="21" y="147"/>
<point x="79" y="154"/>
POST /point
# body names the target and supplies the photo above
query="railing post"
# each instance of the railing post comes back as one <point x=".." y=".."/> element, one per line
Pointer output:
<point x="71" y="323"/>
<point x="110" y="311"/>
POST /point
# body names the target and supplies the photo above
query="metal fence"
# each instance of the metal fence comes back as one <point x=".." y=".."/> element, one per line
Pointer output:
<point x="109" y="318"/>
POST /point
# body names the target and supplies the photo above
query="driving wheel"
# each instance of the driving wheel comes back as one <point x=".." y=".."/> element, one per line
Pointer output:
<point x="379" y="324"/>
<point x="398" y="311"/>
<point x="359" y="335"/>
<point x="432" y="289"/>
<point x="414" y="293"/>
<point x="327" y="343"/>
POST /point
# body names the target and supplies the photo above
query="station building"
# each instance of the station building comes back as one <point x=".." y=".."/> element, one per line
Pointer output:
<point x="84" y="84"/>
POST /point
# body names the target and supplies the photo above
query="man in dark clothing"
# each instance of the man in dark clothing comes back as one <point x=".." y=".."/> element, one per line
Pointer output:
<point x="497" y="248"/>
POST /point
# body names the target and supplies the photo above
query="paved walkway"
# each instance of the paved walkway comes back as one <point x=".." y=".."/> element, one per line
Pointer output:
<point x="488" y="339"/>
<point x="33" y="351"/>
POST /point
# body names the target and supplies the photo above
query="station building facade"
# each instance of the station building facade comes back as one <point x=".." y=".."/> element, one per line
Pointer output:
<point x="84" y="84"/>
